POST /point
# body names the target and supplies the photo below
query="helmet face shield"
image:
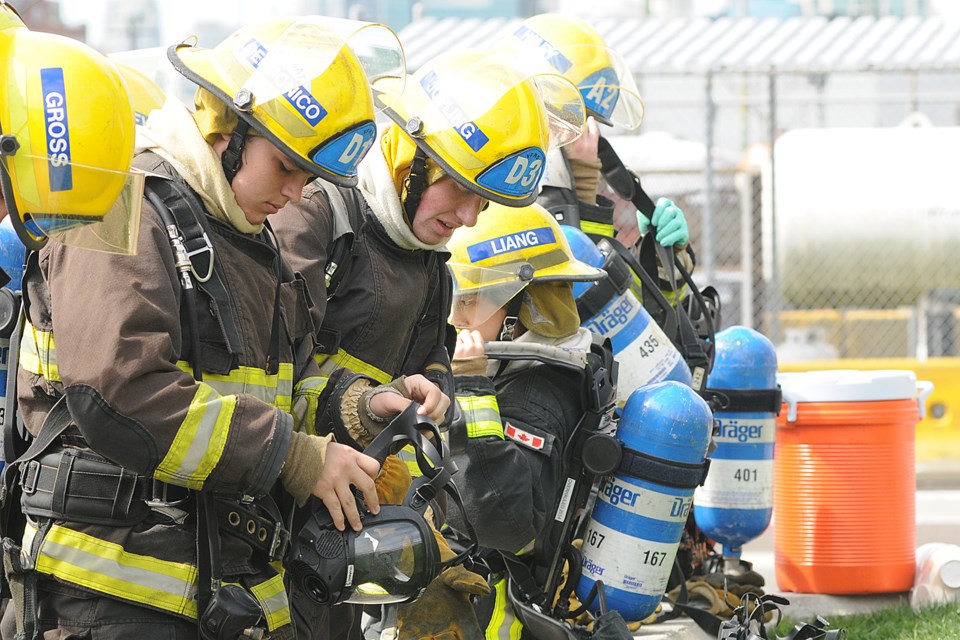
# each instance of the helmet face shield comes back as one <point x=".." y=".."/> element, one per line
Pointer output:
<point x="50" y="209"/>
<point x="301" y="84"/>
<point x="609" y="92"/>
<point x="478" y="292"/>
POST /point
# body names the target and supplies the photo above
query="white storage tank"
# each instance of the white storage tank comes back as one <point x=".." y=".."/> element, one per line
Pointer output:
<point x="867" y="217"/>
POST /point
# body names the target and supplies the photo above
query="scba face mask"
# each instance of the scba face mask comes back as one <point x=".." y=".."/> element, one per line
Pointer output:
<point x="394" y="556"/>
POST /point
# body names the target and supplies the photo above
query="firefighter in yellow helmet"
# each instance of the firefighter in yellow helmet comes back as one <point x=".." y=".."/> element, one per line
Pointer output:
<point x="468" y="128"/>
<point x="178" y="394"/>
<point x="514" y="278"/>
<point x="573" y="47"/>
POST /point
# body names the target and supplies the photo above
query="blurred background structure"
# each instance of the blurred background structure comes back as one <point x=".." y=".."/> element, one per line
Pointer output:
<point x="838" y="245"/>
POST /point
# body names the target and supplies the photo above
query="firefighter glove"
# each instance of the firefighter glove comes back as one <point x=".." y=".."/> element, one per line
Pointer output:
<point x="444" y="611"/>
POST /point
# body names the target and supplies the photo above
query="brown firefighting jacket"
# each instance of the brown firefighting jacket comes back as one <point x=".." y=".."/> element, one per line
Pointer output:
<point x="121" y="356"/>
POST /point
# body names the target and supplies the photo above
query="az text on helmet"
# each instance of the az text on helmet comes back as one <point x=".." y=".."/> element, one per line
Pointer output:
<point x="510" y="243"/>
<point x="57" y="129"/>
<point x="295" y="93"/>
<point x="448" y="106"/>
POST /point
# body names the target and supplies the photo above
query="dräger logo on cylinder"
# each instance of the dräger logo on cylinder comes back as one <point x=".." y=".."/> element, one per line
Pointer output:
<point x="57" y="129"/>
<point x="732" y="430"/>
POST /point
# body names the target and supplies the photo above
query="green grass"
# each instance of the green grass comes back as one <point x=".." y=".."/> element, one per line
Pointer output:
<point x="898" y="623"/>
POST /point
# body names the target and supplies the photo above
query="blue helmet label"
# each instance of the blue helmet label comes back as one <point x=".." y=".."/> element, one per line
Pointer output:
<point x="517" y="175"/>
<point x="600" y="91"/>
<point x="57" y="128"/>
<point x="549" y="52"/>
<point x="295" y="93"/>
<point x="453" y="112"/>
<point x="342" y="154"/>
<point x="511" y="242"/>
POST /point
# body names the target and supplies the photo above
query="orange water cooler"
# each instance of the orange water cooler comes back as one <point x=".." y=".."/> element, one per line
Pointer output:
<point x="844" y="481"/>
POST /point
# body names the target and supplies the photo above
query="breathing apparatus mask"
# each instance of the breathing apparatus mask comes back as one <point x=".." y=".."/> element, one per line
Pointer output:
<point x="394" y="556"/>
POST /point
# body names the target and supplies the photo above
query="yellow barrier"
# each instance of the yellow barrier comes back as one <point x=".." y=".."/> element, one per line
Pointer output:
<point x="938" y="434"/>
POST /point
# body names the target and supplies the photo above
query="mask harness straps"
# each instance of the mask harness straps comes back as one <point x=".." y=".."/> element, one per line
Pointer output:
<point x="436" y="466"/>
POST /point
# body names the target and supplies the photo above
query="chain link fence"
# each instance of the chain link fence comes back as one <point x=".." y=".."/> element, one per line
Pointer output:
<point x="841" y="246"/>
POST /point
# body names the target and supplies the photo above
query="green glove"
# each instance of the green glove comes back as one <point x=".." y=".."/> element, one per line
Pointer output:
<point x="444" y="611"/>
<point x="670" y="222"/>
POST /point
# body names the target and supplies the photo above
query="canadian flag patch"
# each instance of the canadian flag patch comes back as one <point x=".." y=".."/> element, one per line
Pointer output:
<point x="523" y="437"/>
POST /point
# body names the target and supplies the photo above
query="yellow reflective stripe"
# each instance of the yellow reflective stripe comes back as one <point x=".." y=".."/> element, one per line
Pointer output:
<point x="273" y="600"/>
<point x="38" y="354"/>
<point x="306" y="400"/>
<point x="597" y="228"/>
<point x="408" y="455"/>
<point x="503" y="624"/>
<point x="344" y="359"/>
<point x="200" y="440"/>
<point x="106" y="567"/>
<point x="482" y="414"/>
<point x="274" y="389"/>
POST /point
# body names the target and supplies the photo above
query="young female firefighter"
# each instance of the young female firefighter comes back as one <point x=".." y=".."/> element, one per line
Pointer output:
<point x="514" y="282"/>
<point x="467" y="129"/>
<point x="572" y="47"/>
<point x="161" y="406"/>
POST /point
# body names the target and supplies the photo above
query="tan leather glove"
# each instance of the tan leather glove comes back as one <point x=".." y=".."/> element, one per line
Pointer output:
<point x="394" y="481"/>
<point x="472" y="366"/>
<point x="444" y="611"/>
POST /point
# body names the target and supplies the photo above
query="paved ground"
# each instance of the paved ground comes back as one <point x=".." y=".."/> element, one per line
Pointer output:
<point x="938" y="520"/>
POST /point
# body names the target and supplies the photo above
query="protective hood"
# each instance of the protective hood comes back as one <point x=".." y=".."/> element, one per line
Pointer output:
<point x="379" y="185"/>
<point x="173" y="135"/>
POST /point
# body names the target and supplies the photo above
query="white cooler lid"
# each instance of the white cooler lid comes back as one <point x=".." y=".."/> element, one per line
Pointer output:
<point x="848" y="385"/>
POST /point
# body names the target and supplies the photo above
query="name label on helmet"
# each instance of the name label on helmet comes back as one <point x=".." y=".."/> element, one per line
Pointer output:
<point x="549" y="52"/>
<point x="57" y="128"/>
<point x="600" y="91"/>
<point x="510" y="243"/>
<point x="453" y="112"/>
<point x="295" y="93"/>
<point x="516" y="175"/>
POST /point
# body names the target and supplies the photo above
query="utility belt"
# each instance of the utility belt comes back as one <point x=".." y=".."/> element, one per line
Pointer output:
<point x="78" y="485"/>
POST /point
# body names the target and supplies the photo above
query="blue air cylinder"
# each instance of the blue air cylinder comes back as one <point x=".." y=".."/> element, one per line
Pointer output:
<point x="632" y="537"/>
<point x="12" y="255"/>
<point x="735" y="503"/>
<point x="611" y="309"/>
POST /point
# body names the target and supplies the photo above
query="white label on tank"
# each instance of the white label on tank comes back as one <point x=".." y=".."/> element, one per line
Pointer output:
<point x="737" y="484"/>
<point x="627" y="563"/>
<point x="650" y="504"/>
<point x="649" y="357"/>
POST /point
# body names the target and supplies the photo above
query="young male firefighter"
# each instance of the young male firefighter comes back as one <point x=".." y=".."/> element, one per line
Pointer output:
<point x="161" y="406"/>
<point x="467" y="129"/>
<point x="572" y="47"/>
<point x="514" y="280"/>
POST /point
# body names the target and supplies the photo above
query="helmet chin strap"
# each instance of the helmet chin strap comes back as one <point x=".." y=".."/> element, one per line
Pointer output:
<point x="509" y="327"/>
<point x="232" y="158"/>
<point x="416" y="184"/>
